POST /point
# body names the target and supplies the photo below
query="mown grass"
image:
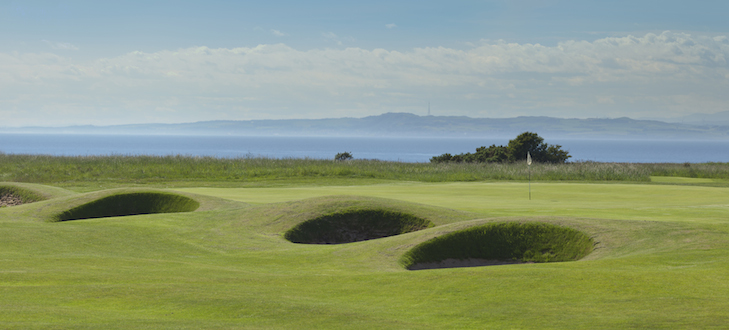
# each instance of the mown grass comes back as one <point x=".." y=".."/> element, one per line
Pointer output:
<point x="661" y="261"/>
<point x="661" y="258"/>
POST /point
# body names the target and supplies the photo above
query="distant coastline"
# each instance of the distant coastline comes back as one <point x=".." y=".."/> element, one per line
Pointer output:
<point x="410" y="125"/>
<point x="381" y="148"/>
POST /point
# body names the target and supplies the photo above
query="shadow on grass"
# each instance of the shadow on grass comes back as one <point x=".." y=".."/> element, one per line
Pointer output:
<point x="124" y="204"/>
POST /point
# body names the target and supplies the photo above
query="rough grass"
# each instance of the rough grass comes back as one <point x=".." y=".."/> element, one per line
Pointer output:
<point x="690" y="170"/>
<point x="355" y="226"/>
<point x="251" y="171"/>
<point x="511" y="241"/>
<point x="124" y="204"/>
<point x="87" y="173"/>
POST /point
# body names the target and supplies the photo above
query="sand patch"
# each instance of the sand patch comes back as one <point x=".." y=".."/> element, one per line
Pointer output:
<point x="455" y="263"/>
<point x="10" y="200"/>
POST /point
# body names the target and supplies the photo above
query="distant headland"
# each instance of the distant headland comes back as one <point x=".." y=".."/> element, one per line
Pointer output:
<point x="410" y="125"/>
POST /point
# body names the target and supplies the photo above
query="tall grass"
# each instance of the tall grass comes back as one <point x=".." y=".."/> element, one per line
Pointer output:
<point x="690" y="170"/>
<point x="150" y="169"/>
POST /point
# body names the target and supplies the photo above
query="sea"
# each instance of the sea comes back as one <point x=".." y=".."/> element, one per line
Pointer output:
<point x="382" y="148"/>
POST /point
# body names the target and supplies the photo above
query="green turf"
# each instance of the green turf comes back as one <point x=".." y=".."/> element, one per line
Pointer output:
<point x="661" y="260"/>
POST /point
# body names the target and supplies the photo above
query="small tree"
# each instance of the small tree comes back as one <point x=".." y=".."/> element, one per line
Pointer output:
<point x="342" y="156"/>
<point x="516" y="150"/>
<point x="540" y="151"/>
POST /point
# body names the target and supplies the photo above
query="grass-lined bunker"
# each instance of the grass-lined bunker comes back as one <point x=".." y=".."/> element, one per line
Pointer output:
<point x="14" y="195"/>
<point x="499" y="243"/>
<point x="131" y="204"/>
<point x="355" y="226"/>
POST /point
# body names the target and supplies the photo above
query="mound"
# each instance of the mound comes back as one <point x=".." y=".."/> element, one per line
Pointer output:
<point x="500" y="243"/>
<point x="130" y="204"/>
<point x="355" y="226"/>
<point x="13" y="195"/>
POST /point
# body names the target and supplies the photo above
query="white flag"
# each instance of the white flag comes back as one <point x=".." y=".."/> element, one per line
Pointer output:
<point x="529" y="158"/>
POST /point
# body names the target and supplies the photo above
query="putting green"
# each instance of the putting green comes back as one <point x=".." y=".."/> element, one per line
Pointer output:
<point x="610" y="201"/>
<point x="660" y="260"/>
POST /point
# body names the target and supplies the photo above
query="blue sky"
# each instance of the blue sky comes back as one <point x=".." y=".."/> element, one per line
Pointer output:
<point x="93" y="62"/>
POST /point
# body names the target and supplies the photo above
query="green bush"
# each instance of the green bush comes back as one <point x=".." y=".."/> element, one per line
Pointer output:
<point x="515" y="151"/>
<point x="342" y="156"/>
<point x="510" y="241"/>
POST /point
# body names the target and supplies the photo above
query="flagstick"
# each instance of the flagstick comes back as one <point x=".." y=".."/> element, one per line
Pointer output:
<point x="529" y="166"/>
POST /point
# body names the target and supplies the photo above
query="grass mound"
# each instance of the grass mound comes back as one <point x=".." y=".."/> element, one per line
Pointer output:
<point x="13" y="195"/>
<point x="500" y="243"/>
<point x="355" y="226"/>
<point x="130" y="204"/>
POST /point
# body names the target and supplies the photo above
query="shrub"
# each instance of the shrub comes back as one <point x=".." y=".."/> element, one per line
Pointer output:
<point x="342" y="156"/>
<point x="516" y="150"/>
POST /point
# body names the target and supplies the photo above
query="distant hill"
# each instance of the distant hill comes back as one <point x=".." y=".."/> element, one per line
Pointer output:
<point x="410" y="125"/>
<point x="719" y="118"/>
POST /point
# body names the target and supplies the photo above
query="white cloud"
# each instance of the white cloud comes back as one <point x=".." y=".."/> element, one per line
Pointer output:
<point x="656" y="74"/>
<point x="337" y="39"/>
<point x="60" y="45"/>
<point x="278" y="33"/>
<point x="332" y="37"/>
<point x="391" y="25"/>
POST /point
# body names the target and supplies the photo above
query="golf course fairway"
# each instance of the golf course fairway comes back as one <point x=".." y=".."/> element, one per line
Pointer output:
<point x="660" y="260"/>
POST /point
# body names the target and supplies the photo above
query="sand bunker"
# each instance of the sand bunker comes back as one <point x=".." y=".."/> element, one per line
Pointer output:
<point x="499" y="244"/>
<point x="10" y="200"/>
<point x="11" y="195"/>
<point x="355" y="226"/>
<point x="130" y="204"/>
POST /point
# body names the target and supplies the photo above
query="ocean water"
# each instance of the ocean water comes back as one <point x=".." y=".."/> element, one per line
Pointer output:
<point x="390" y="149"/>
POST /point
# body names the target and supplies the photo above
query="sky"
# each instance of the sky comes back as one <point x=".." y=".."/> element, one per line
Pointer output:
<point x="126" y="62"/>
